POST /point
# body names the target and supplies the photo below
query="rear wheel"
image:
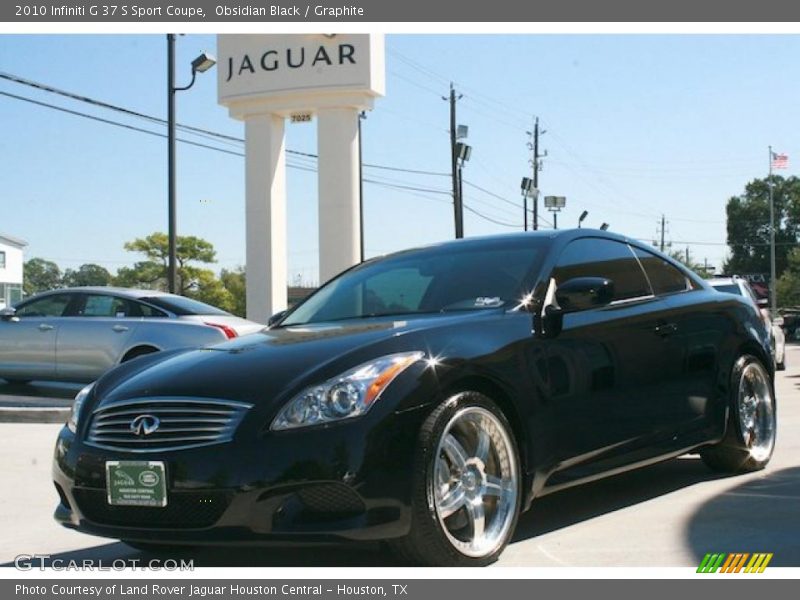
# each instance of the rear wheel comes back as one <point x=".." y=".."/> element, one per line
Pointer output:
<point x="466" y="496"/>
<point x="750" y="434"/>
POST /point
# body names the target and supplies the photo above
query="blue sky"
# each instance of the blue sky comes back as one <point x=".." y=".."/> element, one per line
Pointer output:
<point x="637" y="126"/>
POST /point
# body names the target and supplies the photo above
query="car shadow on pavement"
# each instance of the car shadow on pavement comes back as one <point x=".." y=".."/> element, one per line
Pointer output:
<point x="40" y="389"/>
<point x="575" y="505"/>
<point x="761" y="515"/>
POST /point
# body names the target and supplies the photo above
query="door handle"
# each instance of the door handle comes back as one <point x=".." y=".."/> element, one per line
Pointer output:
<point x="665" y="329"/>
<point x="119" y="328"/>
<point x="46" y="327"/>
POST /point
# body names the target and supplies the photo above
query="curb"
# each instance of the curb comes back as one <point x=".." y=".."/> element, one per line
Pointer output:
<point x="33" y="414"/>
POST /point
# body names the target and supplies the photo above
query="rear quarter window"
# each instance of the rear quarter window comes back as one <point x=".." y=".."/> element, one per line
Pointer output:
<point x="664" y="277"/>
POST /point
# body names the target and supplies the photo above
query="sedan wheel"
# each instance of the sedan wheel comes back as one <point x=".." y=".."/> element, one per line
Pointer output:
<point x="750" y="437"/>
<point x="468" y="491"/>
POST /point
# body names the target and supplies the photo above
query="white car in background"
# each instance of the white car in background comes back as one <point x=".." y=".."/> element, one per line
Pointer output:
<point x="738" y="285"/>
<point x="77" y="334"/>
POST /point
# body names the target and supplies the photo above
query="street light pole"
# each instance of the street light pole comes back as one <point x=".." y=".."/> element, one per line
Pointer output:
<point x="201" y="64"/>
<point x="361" y="117"/>
<point x="172" y="261"/>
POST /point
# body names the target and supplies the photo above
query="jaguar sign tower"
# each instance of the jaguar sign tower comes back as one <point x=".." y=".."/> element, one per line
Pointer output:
<point x="265" y="79"/>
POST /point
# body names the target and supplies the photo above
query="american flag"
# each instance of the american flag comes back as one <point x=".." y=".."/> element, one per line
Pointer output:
<point x="779" y="161"/>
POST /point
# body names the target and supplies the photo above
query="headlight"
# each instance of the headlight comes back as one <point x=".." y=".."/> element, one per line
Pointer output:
<point x="349" y="395"/>
<point x="74" y="414"/>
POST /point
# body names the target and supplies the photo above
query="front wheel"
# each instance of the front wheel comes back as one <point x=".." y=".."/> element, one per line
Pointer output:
<point x="466" y="496"/>
<point x="750" y="434"/>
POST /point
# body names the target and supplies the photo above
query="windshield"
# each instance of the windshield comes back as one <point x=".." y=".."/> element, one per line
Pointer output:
<point x="475" y="276"/>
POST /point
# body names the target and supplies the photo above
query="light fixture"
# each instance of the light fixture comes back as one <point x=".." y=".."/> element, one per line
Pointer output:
<point x="604" y="227"/>
<point x="584" y="214"/>
<point x="203" y="63"/>
<point x="463" y="151"/>
<point x="554" y="204"/>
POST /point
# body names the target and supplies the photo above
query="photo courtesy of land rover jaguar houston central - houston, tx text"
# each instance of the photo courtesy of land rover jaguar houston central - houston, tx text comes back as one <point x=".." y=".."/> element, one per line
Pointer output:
<point x="425" y="398"/>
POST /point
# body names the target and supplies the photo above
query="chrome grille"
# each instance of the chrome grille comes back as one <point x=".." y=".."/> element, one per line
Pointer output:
<point x="181" y="423"/>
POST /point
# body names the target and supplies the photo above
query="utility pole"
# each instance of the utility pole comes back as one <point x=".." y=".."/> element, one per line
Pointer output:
<point x="663" y="229"/>
<point x="535" y="165"/>
<point x="458" y="209"/>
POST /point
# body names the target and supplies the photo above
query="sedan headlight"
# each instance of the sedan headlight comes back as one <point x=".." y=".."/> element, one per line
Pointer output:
<point x="74" y="414"/>
<point x="349" y="395"/>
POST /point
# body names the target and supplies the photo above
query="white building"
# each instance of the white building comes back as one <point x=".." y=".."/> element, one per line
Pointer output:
<point x="10" y="269"/>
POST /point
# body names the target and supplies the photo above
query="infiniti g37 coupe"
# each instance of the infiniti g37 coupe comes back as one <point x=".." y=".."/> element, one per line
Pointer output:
<point x="425" y="398"/>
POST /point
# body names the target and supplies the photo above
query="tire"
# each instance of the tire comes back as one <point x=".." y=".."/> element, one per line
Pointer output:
<point x="750" y="432"/>
<point x="467" y="467"/>
<point x="137" y="352"/>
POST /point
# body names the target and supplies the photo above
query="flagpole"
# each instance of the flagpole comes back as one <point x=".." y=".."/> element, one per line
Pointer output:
<point x="773" y="297"/>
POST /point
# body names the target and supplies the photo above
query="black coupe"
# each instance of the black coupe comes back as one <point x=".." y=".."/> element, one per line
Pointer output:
<point x="425" y="398"/>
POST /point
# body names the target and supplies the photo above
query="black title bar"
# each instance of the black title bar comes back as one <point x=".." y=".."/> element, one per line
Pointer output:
<point x="458" y="11"/>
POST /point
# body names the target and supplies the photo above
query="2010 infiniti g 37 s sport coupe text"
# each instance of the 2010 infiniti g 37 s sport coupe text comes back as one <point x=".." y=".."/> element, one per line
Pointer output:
<point x="425" y="398"/>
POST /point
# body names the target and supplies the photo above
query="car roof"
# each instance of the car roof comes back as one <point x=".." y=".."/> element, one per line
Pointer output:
<point x="565" y="235"/>
<point x="117" y="291"/>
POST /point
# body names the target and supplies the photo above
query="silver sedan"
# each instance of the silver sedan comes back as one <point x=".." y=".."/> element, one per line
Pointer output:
<point x="77" y="334"/>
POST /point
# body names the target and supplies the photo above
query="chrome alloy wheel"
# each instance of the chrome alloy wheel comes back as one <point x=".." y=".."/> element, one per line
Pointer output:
<point x="475" y="482"/>
<point x="756" y="411"/>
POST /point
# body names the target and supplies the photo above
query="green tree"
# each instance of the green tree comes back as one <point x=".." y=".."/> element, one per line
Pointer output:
<point x="234" y="282"/>
<point x="748" y="225"/>
<point x="88" y="274"/>
<point x="152" y="272"/>
<point x="787" y="287"/>
<point x="207" y="288"/>
<point x="40" y="275"/>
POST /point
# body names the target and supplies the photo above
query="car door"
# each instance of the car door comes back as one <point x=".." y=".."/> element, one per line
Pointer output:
<point x="606" y="366"/>
<point x="28" y="340"/>
<point x="94" y="336"/>
<point x="693" y="348"/>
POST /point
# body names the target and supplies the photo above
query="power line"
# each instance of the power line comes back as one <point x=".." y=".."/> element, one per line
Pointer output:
<point x="487" y="218"/>
<point x="115" y="123"/>
<point x="187" y="128"/>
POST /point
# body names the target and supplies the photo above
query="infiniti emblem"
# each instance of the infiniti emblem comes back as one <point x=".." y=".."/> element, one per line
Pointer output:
<point x="145" y="425"/>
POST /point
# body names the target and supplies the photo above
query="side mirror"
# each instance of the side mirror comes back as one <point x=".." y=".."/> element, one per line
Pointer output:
<point x="276" y="317"/>
<point x="582" y="293"/>
<point x="8" y="314"/>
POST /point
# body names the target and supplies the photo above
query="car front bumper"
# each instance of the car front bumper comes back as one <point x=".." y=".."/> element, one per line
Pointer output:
<point x="349" y="481"/>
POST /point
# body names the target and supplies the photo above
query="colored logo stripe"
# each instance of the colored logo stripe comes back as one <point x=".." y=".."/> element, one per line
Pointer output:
<point x="733" y="563"/>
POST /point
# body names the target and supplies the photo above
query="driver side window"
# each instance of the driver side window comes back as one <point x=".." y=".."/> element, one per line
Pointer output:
<point x="597" y="257"/>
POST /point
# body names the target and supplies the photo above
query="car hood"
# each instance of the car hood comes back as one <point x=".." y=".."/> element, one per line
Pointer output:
<point x="269" y="366"/>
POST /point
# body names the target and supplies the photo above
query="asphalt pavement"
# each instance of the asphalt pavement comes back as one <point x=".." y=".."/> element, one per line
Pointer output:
<point x="670" y="514"/>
